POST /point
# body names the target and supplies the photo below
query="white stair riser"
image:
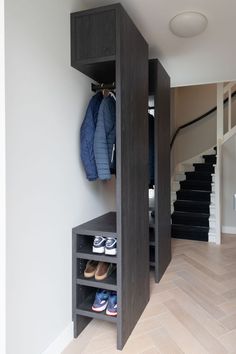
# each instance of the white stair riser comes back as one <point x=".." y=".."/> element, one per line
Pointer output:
<point x="212" y="224"/>
<point x="212" y="209"/>
<point x="180" y="177"/>
<point x="211" y="237"/>
<point x="213" y="198"/>
<point x="187" y="168"/>
<point x="175" y="186"/>
<point x="173" y="197"/>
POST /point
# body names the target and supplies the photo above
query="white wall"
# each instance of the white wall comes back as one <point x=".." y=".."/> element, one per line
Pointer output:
<point x="2" y="187"/>
<point x="47" y="193"/>
<point x="229" y="185"/>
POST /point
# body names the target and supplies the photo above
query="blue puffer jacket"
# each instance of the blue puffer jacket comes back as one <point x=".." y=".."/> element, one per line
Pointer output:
<point x="105" y="137"/>
<point x="87" y="131"/>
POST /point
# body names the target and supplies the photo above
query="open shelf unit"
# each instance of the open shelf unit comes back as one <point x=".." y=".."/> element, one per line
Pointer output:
<point x="84" y="289"/>
<point x="102" y="41"/>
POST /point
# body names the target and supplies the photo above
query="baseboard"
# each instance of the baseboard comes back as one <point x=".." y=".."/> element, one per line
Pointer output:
<point x="229" y="230"/>
<point x="61" y="342"/>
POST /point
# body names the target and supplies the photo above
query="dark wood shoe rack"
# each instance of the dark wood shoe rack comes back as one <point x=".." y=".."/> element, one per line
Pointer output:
<point x="84" y="289"/>
<point x="108" y="48"/>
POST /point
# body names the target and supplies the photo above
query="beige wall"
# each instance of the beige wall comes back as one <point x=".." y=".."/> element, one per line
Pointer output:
<point x="189" y="103"/>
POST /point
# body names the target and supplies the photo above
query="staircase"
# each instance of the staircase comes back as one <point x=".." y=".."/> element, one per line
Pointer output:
<point x="193" y="202"/>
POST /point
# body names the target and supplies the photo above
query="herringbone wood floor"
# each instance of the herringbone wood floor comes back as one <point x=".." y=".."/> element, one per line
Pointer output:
<point x="192" y="310"/>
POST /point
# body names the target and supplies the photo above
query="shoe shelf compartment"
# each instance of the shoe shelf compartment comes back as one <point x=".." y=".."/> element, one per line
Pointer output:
<point x="109" y="283"/>
<point x="151" y="240"/>
<point x="85" y="250"/>
<point x="84" y="307"/>
<point x="84" y="289"/>
<point x="152" y="256"/>
<point x="151" y="221"/>
<point x="152" y="237"/>
<point x="151" y="204"/>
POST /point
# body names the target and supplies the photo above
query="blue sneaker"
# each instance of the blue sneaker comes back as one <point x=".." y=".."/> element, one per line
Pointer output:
<point x="110" y="248"/>
<point x="101" y="300"/>
<point x="112" y="304"/>
<point x="99" y="244"/>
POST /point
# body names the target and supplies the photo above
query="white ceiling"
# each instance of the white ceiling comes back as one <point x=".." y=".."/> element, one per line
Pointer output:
<point x="209" y="57"/>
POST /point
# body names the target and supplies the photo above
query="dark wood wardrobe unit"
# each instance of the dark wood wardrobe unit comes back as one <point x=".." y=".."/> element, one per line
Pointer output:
<point x="107" y="47"/>
<point x="160" y="225"/>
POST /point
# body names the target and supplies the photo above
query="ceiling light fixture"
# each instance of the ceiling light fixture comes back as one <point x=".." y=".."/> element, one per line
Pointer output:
<point x="188" y="24"/>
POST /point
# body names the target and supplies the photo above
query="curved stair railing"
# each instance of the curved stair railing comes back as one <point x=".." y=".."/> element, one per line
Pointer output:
<point x="212" y="110"/>
<point x="225" y="95"/>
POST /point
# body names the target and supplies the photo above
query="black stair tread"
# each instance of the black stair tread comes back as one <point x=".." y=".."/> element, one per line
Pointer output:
<point x="211" y="155"/>
<point x="189" y="232"/>
<point x="191" y="227"/>
<point x="198" y="176"/>
<point x="190" y="218"/>
<point x="195" y="190"/>
<point x="191" y="215"/>
<point x="204" y="167"/>
<point x="203" y="164"/>
<point x="187" y="194"/>
<point x="203" y="202"/>
<point x="192" y="206"/>
<point x="195" y="181"/>
<point x="210" y="159"/>
<point x="196" y="185"/>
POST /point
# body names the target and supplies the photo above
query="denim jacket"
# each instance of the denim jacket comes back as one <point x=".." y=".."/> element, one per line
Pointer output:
<point x="87" y="132"/>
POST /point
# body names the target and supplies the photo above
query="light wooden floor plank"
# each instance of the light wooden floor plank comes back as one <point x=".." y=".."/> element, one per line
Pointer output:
<point x="210" y="343"/>
<point x="191" y="311"/>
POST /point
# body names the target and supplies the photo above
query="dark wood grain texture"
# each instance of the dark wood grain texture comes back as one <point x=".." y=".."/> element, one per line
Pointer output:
<point x="132" y="175"/>
<point x="161" y="87"/>
<point x="93" y="44"/>
<point x="79" y="322"/>
<point x="104" y="225"/>
<point x="127" y="64"/>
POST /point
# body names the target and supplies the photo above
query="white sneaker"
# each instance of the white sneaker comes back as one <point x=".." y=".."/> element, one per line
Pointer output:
<point x="110" y="248"/>
<point x="99" y="244"/>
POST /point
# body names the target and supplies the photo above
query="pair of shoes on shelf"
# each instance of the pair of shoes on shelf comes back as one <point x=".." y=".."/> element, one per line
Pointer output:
<point x="99" y="270"/>
<point x="105" y="245"/>
<point x="105" y="300"/>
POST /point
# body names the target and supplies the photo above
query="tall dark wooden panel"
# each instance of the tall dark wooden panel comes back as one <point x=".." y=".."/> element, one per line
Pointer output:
<point x="159" y="87"/>
<point x="132" y="174"/>
<point x="117" y="52"/>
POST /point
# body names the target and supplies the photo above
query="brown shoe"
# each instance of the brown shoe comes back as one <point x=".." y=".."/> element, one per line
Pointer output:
<point x="103" y="270"/>
<point x="90" y="269"/>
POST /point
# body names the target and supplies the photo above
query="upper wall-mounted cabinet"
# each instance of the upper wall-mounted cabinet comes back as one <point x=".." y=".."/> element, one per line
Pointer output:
<point x="93" y="43"/>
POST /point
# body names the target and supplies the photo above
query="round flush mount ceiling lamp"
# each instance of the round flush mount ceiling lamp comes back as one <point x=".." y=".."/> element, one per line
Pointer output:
<point x="188" y="24"/>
